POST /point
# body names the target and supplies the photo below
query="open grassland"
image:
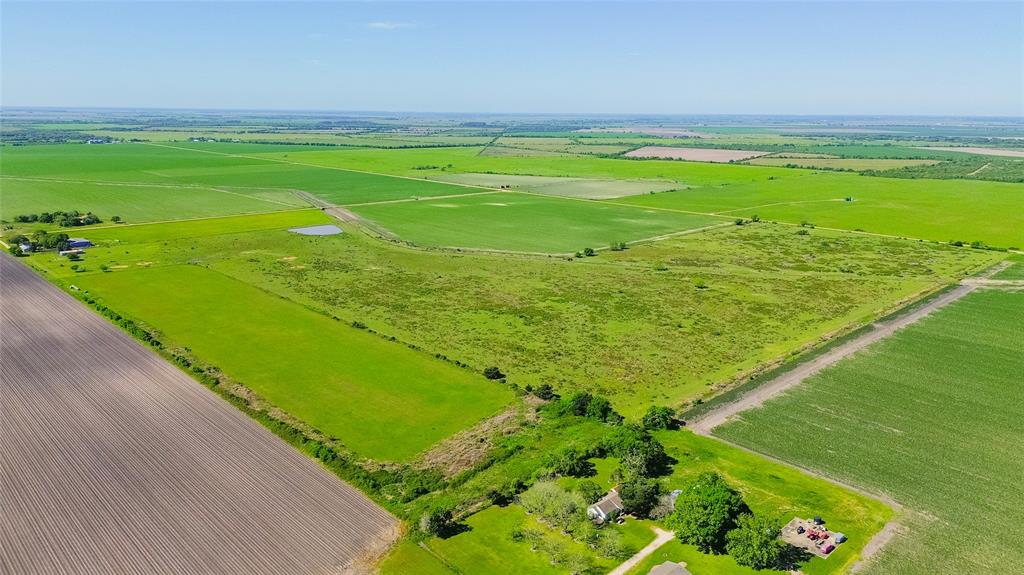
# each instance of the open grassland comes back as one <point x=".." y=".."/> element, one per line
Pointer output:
<point x="379" y="398"/>
<point x="526" y="222"/>
<point x="928" y="417"/>
<point x="855" y="164"/>
<point x="113" y="461"/>
<point x="733" y="297"/>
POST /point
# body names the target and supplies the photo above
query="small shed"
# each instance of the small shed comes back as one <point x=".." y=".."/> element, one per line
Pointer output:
<point x="607" y="508"/>
<point x="79" y="243"/>
<point x="839" y="537"/>
<point x="669" y="568"/>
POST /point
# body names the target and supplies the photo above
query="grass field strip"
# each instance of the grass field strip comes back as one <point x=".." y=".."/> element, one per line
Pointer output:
<point x="152" y="185"/>
<point x="707" y="422"/>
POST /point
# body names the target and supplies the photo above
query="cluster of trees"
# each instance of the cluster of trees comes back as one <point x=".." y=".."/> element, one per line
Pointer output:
<point x="712" y="516"/>
<point x="68" y="219"/>
<point x="40" y="240"/>
<point x="641" y="456"/>
<point x="566" y="511"/>
<point x="585" y="404"/>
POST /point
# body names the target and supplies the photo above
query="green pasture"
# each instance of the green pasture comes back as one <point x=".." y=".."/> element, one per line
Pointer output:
<point x="379" y="398"/>
<point x="145" y="233"/>
<point x="525" y="222"/>
<point x="928" y="417"/>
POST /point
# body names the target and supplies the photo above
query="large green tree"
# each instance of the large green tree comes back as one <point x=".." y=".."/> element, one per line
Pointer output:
<point x="755" y="542"/>
<point x="705" y="512"/>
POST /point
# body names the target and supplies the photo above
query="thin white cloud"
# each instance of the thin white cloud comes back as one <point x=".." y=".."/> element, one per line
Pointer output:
<point x="390" y="25"/>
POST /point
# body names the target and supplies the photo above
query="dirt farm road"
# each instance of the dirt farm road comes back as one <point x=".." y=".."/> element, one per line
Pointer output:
<point x="114" y="461"/>
<point x="706" y="423"/>
<point x="662" y="538"/>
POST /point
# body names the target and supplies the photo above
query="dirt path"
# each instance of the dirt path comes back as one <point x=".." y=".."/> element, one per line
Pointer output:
<point x="880" y="540"/>
<point x="979" y="170"/>
<point x="707" y="422"/>
<point x="662" y="538"/>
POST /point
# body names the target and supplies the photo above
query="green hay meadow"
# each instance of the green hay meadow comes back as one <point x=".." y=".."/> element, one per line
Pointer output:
<point x="380" y="399"/>
<point x="526" y="222"/>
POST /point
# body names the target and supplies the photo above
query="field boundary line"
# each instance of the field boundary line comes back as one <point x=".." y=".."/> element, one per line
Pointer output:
<point x="705" y="423"/>
<point x="780" y="204"/>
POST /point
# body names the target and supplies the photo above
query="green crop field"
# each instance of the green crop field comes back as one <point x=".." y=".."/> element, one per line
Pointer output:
<point x="928" y="416"/>
<point x="569" y="187"/>
<point x="526" y="222"/>
<point x="379" y="398"/>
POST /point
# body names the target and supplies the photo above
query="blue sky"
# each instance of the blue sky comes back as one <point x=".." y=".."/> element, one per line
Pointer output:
<point x="944" y="58"/>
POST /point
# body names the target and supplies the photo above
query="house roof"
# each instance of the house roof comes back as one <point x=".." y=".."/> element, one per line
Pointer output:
<point x="609" y="503"/>
<point x="668" y="568"/>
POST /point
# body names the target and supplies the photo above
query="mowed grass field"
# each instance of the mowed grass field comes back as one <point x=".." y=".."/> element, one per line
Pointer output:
<point x="526" y="222"/>
<point x="930" y="416"/>
<point x="940" y="210"/>
<point x="379" y="398"/>
<point x="133" y="202"/>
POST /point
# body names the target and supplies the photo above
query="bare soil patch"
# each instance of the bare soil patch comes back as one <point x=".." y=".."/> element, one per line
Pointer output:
<point x="114" y="461"/>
